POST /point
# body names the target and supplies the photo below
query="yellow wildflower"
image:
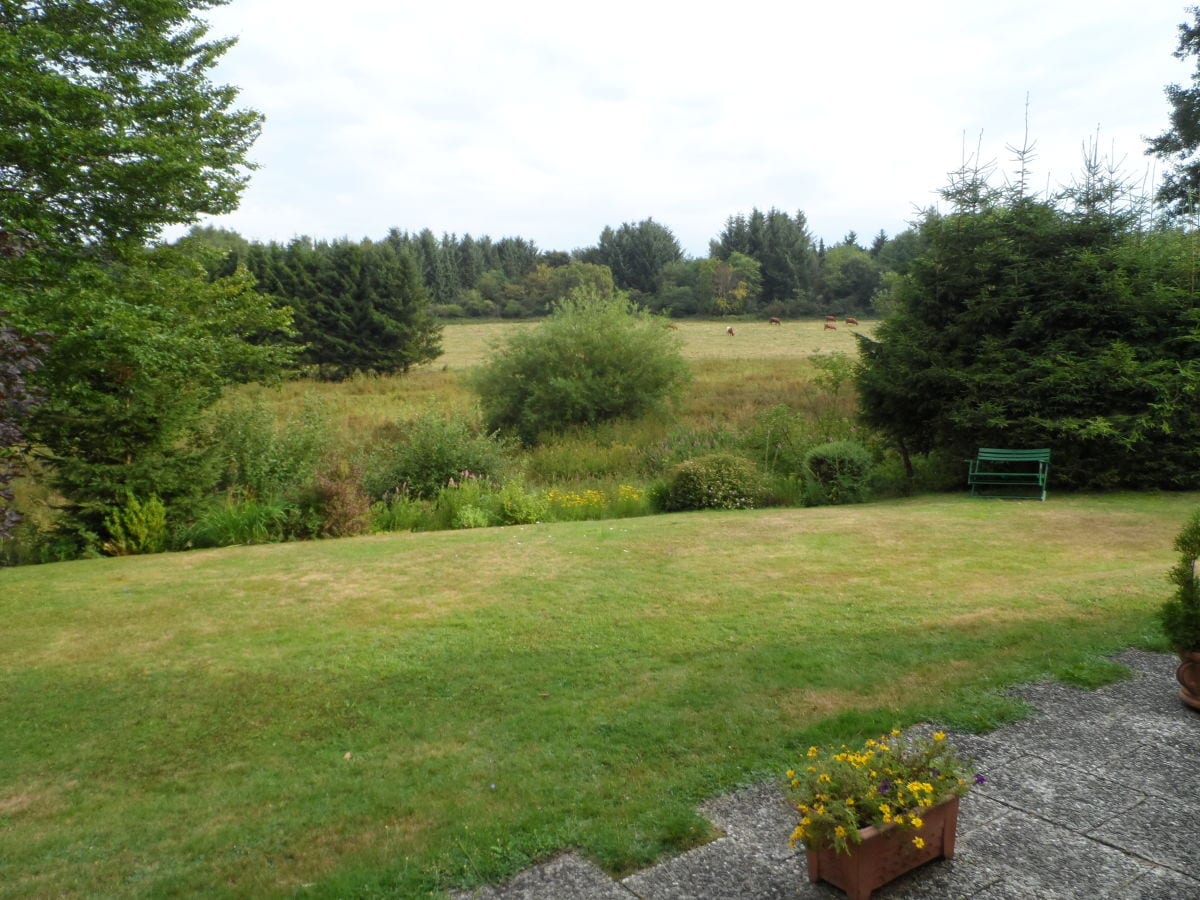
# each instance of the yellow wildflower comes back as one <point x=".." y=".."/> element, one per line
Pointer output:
<point x="824" y="778"/>
<point x="840" y="831"/>
<point x="919" y="843"/>
<point x="939" y="735"/>
<point x="813" y="751"/>
<point x="791" y="773"/>
<point x="917" y="822"/>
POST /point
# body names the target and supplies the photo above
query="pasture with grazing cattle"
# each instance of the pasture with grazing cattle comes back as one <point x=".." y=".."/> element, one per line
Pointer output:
<point x="399" y="714"/>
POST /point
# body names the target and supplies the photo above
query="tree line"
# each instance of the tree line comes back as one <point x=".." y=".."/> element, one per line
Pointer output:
<point x="761" y="264"/>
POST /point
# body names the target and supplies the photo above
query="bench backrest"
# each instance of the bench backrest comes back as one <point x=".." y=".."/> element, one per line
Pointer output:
<point x="998" y="455"/>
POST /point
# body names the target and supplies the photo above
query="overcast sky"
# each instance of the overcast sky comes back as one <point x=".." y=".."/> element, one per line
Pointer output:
<point x="550" y="120"/>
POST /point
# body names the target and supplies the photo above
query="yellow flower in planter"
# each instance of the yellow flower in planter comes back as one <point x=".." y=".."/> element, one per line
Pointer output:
<point x="891" y="781"/>
<point x="919" y="843"/>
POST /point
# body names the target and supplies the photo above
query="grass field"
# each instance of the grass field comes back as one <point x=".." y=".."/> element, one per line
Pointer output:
<point x="398" y="714"/>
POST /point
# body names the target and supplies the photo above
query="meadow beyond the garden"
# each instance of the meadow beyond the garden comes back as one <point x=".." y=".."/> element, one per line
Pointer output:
<point x="398" y="714"/>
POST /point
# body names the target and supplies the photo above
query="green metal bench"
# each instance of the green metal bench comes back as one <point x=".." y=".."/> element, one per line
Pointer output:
<point x="1009" y="474"/>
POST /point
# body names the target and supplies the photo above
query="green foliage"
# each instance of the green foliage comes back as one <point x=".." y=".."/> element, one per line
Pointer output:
<point x="397" y="512"/>
<point x="360" y="306"/>
<point x="261" y="457"/>
<point x="109" y="128"/>
<point x="1180" y="143"/>
<point x="421" y="456"/>
<point x="850" y="278"/>
<point x="135" y="527"/>
<point x="778" y="439"/>
<point x="141" y="347"/>
<point x="837" y="472"/>
<point x="594" y="359"/>
<point x="514" y="504"/>
<point x="714" y="481"/>
<point x="636" y="254"/>
<point x="729" y="286"/>
<point x="783" y="249"/>
<point x="242" y="520"/>
<point x="1029" y="323"/>
<point x="1180" y="615"/>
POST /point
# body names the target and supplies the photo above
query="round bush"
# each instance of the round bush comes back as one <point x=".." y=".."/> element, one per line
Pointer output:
<point x="715" y="481"/>
<point x="422" y="456"/>
<point x="594" y="358"/>
<point x="837" y="472"/>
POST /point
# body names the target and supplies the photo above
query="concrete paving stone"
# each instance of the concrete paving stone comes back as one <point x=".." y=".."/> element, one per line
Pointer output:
<point x="1059" y="861"/>
<point x="1146" y="662"/>
<point x="1168" y="767"/>
<point x="1075" y="737"/>
<point x="960" y="877"/>
<point x="760" y="816"/>
<point x="983" y="751"/>
<point x="1159" y="830"/>
<point x="722" y="869"/>
<point x="1158" y="884"/>
<point x="1061" y="794"/>
<point x="568" y="875"/>
<point x="976" y="810"/>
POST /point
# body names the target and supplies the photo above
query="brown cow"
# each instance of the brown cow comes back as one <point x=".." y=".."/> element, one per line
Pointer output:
<point x="831" y="318"/>
<point x="729" y="331"/>
<point x="850" y="320"/>
<point x="829" y="326"/>
<point x="775" y="321"/>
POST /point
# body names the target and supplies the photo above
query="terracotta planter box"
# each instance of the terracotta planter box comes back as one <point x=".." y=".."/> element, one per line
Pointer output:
<point x="1188" y="675"/>
<point x="885" y="855"/>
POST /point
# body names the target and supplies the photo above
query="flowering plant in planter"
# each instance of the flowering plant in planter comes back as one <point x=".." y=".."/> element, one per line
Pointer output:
<point x="888" y="783"/>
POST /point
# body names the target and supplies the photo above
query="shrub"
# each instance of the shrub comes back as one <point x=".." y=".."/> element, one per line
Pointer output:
<point x="136" y="527"/>
<point x="514" y="505"/>
<point x="259" y="457"/>
<point x="837" y="472"/>
<point x="1180" y="615"/>
<point x="462" y="504"/>
<point x="715" y="481"/>
<point x="778" y="439"/>
<point x="595" y="358"/>
<point x="245" y="520"/>
<point x="338" y="501"/>
<point x="398" y="512"/>
<point x="422" y="455"/>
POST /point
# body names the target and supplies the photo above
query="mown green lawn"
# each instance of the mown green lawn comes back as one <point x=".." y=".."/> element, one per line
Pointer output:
<point x="404" y="713"/>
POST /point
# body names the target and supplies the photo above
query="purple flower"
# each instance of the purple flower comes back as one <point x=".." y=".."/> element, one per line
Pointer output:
<point x="885" y="786"/>
<point x="979" y="779"/>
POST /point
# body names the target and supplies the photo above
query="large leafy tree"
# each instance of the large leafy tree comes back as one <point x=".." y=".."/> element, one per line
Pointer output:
<point x="109" y="126"/>
<point x="109" y="130"/>
<point x="1180" y="143"/>
<point x="636" y="253"/>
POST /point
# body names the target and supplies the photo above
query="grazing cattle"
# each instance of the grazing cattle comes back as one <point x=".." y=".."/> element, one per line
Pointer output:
<point x="831" y="318"/>
<point x="850" y="320"/>
<point x="829" y="326"/>
<point x="774" y="321"/>
<point x="729" y="331"/>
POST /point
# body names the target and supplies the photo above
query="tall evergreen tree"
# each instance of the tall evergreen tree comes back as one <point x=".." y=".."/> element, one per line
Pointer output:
<point x="1180" y="143"/>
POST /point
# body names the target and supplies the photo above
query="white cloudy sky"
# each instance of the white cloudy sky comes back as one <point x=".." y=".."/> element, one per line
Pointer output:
<point x="550" y="120"/>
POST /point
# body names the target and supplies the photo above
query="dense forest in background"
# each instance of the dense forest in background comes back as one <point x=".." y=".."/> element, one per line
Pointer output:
<point x="761" y="264"/>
